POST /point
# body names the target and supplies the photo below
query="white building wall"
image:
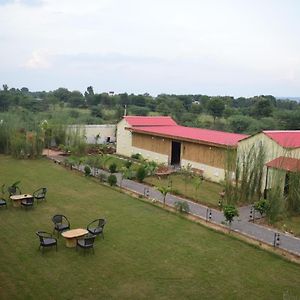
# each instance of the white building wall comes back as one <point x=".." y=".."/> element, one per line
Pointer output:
<point x="211" y="173"/>
<point x="124" y="139"/>
<point x="91" y="131"/>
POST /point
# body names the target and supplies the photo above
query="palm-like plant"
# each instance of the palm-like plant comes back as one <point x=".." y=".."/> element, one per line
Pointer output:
<point x="164" y="190"/>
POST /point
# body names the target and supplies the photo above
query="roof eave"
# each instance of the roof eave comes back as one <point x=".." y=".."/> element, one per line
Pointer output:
<point x="182" y="138"/>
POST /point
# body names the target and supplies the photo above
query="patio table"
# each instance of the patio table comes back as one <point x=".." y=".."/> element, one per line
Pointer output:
<point x="72" y="235"/>
<point x="17" y="199"/>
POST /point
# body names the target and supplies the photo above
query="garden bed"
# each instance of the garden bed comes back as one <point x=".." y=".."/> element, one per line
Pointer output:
<point x="207" y="193"/>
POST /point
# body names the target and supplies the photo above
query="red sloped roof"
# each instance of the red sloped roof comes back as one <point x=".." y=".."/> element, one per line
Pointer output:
<point x="149" y="121"/>
<point x="285" y="138"/>
<point x="195" y="134"/>
<point x="285" y="163"/>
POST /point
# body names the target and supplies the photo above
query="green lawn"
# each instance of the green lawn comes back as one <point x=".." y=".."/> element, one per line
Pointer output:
<point x="148" y="253"/>
<point x="207" y="193"/>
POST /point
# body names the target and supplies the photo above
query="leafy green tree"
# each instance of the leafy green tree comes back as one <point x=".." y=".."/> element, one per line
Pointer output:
<point x="89" y="96"/>
<point x="288" y="120"/>
<point x="263" y="107"/>
<point x="76" y="99"/>
<point x="216" y="107"/>
<point x="62" y="94"/>
<point x="240" y="123"/>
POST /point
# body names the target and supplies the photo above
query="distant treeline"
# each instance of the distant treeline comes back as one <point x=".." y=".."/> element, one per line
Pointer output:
<point x="243" y="115"/>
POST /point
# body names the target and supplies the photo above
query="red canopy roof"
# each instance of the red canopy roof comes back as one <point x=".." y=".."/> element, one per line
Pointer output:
<point x="149" y="121"/>
<point x="285" y="138"/>
<point x="285" y="163"/>
<point x="195" y="134"/>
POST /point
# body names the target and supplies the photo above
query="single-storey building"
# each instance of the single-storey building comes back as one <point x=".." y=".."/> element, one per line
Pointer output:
<point x="282" y="153"/>
<point x="96" y="134"/>
<point x="160" y="139"/>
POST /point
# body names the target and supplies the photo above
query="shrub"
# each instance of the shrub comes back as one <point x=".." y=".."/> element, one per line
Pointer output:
<point x="87" y="171"/>
<point x="141" y="173"/>
<point x="112" y="168"/>
<point x="230" y="211"/>
<point x="151" y="167"/>
<point x="136" y="156"/>
<point x="261" y="206"/>
<point x="128" y="164"/>
<point x="182" y="206"/>
<point x="112" y="180"/>
<point x="127" y="173"/>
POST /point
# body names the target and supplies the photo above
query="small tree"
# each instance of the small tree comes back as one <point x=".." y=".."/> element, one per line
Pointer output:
<point x="141" y="173"/>
<point x="112" y="168"/>
<point x="164" y="191"/>
<point x="112" y="180"/>
<point x="187" y="174"/>
<point x="230" y="211"/>
<point x="216" y="108"/>
<point x="182" y="206"/>
<point x="197" y="182"/>
<point x="262" y="206"/>
<point x="87" y="171"/>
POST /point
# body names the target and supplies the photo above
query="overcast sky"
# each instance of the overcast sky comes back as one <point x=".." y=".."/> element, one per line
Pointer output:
<point x="215" y="47"/>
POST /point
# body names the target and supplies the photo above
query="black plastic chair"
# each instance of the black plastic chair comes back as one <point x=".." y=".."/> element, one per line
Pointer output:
<point x="46" y="240"/>
<point x="3" y="202"/>
<point x="27" y="202"/>
<point x="86" y="242"/>
<point x="40" y="194"/>
<point x="14" y="190"/>
<point x="96" y="227"/>
<point x="61" y="223"/>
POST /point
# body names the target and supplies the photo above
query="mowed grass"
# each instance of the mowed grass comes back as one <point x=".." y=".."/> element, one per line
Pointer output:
<point x="147" y="253"/>
<point x="207" y="193"/>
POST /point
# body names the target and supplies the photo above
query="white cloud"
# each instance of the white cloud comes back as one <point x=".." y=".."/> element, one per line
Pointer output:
<point x="38" y="60"/>
<point x="184" y="45"/>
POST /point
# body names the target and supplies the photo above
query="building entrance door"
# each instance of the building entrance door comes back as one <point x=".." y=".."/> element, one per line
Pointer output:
<point x="176" y="153"/>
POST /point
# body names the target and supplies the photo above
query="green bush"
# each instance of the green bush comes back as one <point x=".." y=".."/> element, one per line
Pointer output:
<point x="136" y="156"/>
<point x="112" y="168"/>
<point x="261" y="206"/>
<point x="141" y="173"/>
<point x="87" y="171"/>
<point x="230" y="211"/>
<point x="112" y="180"/>
<point x="182" y="206"/>
<point x="128" y="164"/>
<point x="151" y="167"/>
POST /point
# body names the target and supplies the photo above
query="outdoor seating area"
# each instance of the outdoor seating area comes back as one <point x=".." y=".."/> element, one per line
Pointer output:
<point x="74" y="238"/>
<point x="14" y="194"/>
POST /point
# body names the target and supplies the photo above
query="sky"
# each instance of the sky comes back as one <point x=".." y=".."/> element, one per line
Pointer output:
<point x="214" y="47"/>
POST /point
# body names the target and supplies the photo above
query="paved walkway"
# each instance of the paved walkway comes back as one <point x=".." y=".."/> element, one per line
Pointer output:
<point x="241" y="224"/>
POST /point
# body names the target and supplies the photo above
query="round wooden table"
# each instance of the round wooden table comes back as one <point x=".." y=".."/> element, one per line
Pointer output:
<point x="17" y="199"/>
<point x="72" y="235"/>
